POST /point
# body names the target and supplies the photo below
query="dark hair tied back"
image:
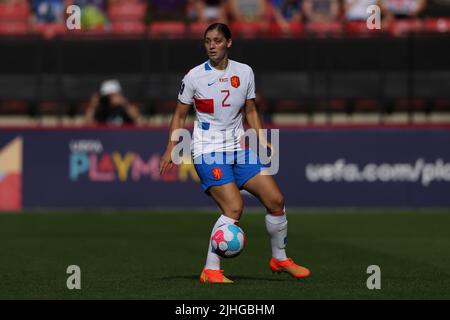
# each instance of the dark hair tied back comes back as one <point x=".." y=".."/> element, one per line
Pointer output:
<point x="221" y="27"/>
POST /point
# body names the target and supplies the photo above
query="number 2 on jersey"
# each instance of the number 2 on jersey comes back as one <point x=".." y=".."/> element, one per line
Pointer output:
<point x="227" y="92"/>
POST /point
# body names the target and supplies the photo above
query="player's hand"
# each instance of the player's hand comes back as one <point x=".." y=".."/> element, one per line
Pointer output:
<point x="165" y="162"/>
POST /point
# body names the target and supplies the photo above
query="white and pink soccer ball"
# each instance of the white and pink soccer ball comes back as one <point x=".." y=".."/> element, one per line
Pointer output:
<point x="228" y="240"/>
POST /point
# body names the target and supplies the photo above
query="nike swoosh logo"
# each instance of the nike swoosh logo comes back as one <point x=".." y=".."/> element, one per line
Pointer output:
<point x="210" y="84"/>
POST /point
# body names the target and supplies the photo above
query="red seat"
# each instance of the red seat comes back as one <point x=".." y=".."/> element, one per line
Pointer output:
<point x="359" y="27"/>
<point x="51" y="108"/>
<point x="14" y="12"/>
<point x="322" y="28"/>
<point x="401" y="27"/>
<point x="13" y="28"/>
<point x="295" y="29"/>
<point x="248" y="29"/>
<point x="331" y="105"/>
<point x="437" y="25"/>
<point x="50" y="30"/>
<point x="167" y="29"/>
<point x="286" y="106"/>
<point x="366" y="105"/>
<point x="442" y="104"/>
<point x="197" y="29"/>
<point x="14" y="19"/>
<point x="14" y="107"/>
<point x="128" y="11"/>
<point x="128" y="27"/>
<point x="411" y="104"/>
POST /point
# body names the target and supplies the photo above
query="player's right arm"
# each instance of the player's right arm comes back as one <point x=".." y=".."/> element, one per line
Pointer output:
<point x="185" y="100"/>
<point x="177" y="122"/>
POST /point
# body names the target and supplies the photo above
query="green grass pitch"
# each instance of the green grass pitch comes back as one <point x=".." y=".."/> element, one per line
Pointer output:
<point x="156" y="255"/>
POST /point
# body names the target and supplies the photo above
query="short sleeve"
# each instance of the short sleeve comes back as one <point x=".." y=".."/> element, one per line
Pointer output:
<point x="186" y="93"/>
<point x="251" y="92"/>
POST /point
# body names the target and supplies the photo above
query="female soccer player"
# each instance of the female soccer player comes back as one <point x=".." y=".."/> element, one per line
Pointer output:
<point x="222" y="90"/>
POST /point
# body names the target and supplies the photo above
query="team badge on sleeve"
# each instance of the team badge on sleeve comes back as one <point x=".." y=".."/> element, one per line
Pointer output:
<point x="235" y="82"/>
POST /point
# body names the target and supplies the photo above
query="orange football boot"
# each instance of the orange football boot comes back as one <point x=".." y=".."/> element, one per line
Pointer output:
<point x="290" y="267"/>
<point x="213" y="276"/>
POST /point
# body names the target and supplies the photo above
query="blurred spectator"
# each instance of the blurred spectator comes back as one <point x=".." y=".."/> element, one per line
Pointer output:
<point x="110" y="107"/>
<point x="93" y="13"/>
<point x="210" y="10"/>
<point x="356" y="10"/>
<point x="248" y="10"/>
<point x="49" y="11"/>
<point x="167" y="10"/>
<point x="100" y="4"/>
<point x="125" y="1"/>
<point x="286" y="11"/>
<point x="401" y="9"/>
<point x="13" y="1"/>
<point x="321" y="10"/>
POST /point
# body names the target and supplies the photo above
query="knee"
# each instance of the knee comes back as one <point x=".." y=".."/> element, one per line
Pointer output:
<point x="235" y="210"/>
<point x="276" y="204"/>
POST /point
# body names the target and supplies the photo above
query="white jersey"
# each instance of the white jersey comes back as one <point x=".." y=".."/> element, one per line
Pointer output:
<point x="218" y="97"/>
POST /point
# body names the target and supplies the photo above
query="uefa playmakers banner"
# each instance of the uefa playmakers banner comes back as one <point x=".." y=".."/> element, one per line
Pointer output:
<point x="119" y="168"/>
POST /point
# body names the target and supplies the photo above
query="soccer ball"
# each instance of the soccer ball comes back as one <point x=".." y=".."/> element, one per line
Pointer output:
<point x="228" y="240"/>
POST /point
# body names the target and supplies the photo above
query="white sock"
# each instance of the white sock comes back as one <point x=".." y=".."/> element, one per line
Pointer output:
<point x="277" y="228"/>
<point x="213" y="260"/>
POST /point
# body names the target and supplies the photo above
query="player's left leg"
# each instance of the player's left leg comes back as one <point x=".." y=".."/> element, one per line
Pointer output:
<point x="265" y="188"/>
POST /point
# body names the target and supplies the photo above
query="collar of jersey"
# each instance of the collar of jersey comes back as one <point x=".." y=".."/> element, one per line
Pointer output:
<point x="217" y="70"/>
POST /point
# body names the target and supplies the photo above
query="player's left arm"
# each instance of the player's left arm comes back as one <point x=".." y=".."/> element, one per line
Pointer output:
<point x="254" y="121"/>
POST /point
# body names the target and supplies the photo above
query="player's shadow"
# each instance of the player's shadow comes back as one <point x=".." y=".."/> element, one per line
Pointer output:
<point x="234" y="278"/>
<point x="180" y="277"/>
<point x="277" y="279"/>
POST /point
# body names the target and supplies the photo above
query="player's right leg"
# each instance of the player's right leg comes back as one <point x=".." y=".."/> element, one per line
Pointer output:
<point x="218" y="182"/>
<point x="229" y="200"/>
